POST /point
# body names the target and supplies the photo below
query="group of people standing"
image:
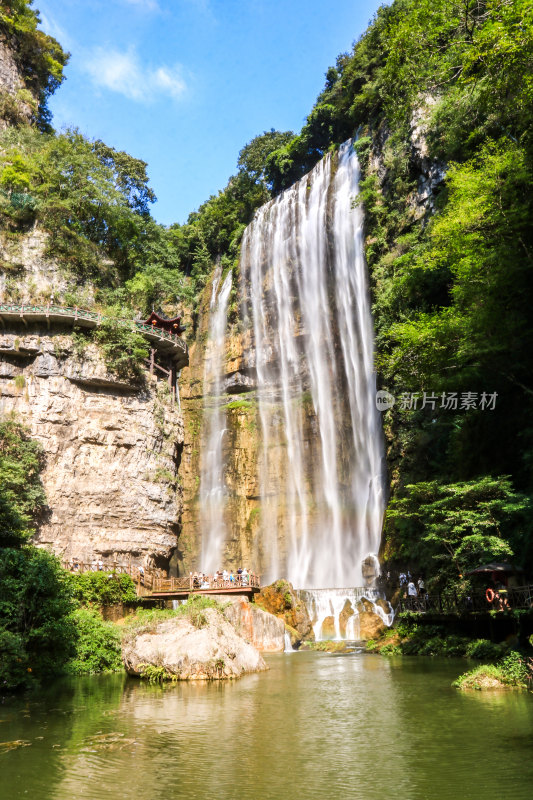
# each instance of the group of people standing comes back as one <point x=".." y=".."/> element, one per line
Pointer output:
<point x="407" y="584"/>
<point x="202" y="581"/>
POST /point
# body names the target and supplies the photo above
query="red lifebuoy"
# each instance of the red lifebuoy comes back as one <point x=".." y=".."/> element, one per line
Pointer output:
<point x="489" y="594"/>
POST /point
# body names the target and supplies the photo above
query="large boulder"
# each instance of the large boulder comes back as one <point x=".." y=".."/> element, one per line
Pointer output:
<point x="371" y="625"/>
<point x="204" y="646"/>
<point x="344" y="616"/>
<point x="327" y="629"/>
<point x="281" y="600"/>
<point x="263" y="630"/>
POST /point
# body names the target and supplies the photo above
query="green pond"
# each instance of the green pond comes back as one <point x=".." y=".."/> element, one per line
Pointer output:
<point x="315" y="726"/>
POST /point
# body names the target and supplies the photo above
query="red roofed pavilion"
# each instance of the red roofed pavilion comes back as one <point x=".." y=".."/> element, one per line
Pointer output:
<point x="160" y="321"/>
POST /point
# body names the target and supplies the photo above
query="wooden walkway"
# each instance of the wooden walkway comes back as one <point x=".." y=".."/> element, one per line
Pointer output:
<point x="516" y="597"/>
<point x="155" y="583"/>
<point x="165" y="342"/>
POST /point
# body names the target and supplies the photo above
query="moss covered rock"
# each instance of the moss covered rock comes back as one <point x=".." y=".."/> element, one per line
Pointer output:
<point x="280" y="599"/>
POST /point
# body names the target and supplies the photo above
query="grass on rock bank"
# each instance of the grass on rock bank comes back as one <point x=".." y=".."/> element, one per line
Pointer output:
<point x="506" y="667"/>
<point x="512" y="672"/>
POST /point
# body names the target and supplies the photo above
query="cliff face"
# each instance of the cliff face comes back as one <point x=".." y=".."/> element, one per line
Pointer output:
<point x="16" y="102"/>
<point x="240" y="450"/>
<point x="112" y="450"/>
<point x="241" y="453"/>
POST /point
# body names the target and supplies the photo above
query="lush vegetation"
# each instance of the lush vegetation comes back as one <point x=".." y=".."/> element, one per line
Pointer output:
<point x="193" y="610"/>
<point x="22" y="498"/>
<point x="512" y="671"/>
<point x="40" y="59"/>
<point x="37" y="631"/>
<point x="438" y="95"/>
<point x="97" y="644"/>
<point x="103" y="589"/>
<point x="409" y="637"/>
<point x="94" y="203"/>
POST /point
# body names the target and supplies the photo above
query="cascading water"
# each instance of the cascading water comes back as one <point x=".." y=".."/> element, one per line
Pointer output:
<point x="306" y="302"/>
<point x="335" y="612"/>
<point x="212" y="486"/>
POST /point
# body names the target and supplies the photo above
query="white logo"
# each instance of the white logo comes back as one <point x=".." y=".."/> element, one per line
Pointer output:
<point x="384" y="400"/>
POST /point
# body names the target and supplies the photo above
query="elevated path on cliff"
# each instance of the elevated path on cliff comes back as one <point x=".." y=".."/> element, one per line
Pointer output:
<point x="155" y="584"/>
<point x="168" y="344"/>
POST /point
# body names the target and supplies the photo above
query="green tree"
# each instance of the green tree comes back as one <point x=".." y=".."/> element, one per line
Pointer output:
<point x="40" y="57"/>
<point x="123" y="347"/>
<point x="452" y="528"/>
<point x="22" y="497"/>
<point x="36" y="628"/>
<point x="254" y="156"/>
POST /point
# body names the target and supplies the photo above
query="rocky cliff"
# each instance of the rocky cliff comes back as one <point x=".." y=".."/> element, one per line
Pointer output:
<point x="112" y="448"/>
<point x="17" y="104"/>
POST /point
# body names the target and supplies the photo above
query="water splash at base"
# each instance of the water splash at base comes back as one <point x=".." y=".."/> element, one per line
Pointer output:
<point x="335" y="612"/>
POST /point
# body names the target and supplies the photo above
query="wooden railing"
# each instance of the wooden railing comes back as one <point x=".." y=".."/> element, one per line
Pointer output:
<point x="192" y="584"/>
<point x="157" y="582"/>
<point x="75" y="314"/>
<point x="518" y="597"/>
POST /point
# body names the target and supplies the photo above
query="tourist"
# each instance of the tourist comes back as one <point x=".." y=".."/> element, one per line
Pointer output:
<point x="403" y="578"/>
<point x="225" y="576"/>
<point x="244" y="577"/>
<point x="141" y="575"/>
<point x="411" y="589"/>
<point x="231" y="577"/>
<point x="100" y="565"/>
<point x="421" y="586"/>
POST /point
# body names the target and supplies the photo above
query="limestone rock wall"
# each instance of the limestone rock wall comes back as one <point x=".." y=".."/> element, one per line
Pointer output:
<point x="14" y="105"/>
<point x="112" y="450"/>
<point x="241" y="450"/>
<point x="261" y="629"/>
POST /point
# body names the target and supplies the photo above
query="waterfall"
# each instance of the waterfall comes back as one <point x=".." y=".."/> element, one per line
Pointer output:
<point x="334" y="613"/>
<point x="212" y="485"/>
<point x="306" y="304"/>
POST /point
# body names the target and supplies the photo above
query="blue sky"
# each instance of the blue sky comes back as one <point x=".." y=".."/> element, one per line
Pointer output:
<point x="185" y="84"/>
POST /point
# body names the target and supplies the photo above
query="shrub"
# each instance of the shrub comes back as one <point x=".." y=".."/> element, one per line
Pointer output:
<point x="484" y="650"/>
<point x="36" y="627"/>
<point x="124" y="349"/>
<point x="154" y="674"/>
<point x="103" y="588"/>
<point x="97" y="644"/>
<point x="510" y="671"/>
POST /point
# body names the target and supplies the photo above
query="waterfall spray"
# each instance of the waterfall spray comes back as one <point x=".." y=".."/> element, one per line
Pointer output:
<point x="306" y="298"/>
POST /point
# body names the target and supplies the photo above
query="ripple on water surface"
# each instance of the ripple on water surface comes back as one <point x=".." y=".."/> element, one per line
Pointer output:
<point x="314" y="726"/>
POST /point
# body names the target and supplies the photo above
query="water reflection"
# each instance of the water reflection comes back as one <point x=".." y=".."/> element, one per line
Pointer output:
<point x="314" y="726"/>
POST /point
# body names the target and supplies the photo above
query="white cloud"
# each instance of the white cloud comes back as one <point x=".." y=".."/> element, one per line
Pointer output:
<point x="169" y="81"/>
<point x="122" y="72"/>
<point x="52" y="28"/>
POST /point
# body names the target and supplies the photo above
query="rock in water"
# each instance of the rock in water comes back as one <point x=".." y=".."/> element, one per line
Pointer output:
<point x="204" y="648"/>
<point x="281" y="600"/>
<point x="344" y="616"/>
<point x="264" y="631"/>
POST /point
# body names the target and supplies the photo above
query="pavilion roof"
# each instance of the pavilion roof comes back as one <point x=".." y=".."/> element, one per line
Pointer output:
<point x="159" y="320"/>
